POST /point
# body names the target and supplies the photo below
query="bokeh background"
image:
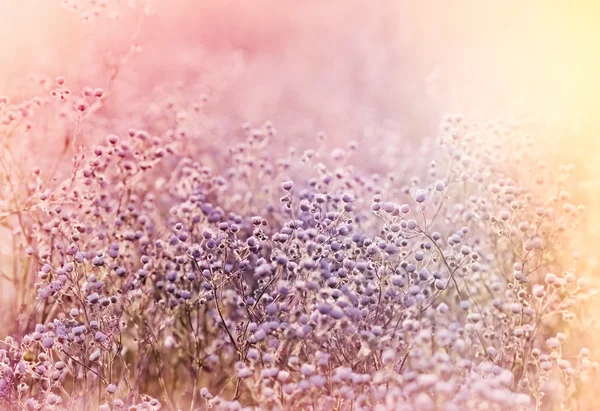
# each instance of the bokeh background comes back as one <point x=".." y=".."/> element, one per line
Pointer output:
<point x="404" y="60"/>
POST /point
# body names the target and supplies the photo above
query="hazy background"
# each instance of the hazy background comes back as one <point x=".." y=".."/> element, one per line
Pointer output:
<point x="333" y="61"/>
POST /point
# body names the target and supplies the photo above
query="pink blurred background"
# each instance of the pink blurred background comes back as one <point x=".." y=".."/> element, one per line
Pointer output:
<point x="332" y="63"/>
